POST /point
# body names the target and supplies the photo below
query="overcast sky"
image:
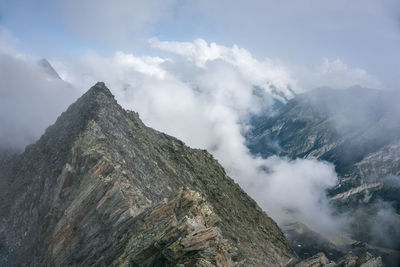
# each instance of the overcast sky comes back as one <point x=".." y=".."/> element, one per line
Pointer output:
<point x="363" y="34"/>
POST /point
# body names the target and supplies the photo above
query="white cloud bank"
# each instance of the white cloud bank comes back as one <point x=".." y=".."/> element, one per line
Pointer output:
<point x="30" y="97"/>
<point x="335" y="74"/>
<point x="204" y="94"/>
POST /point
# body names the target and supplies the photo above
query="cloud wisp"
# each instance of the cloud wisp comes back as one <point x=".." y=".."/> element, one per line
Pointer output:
<point x="335" y="74"/>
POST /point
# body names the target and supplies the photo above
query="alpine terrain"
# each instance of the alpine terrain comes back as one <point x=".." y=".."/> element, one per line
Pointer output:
<point x="358" y="130"/>
<point x="100" y="188"/>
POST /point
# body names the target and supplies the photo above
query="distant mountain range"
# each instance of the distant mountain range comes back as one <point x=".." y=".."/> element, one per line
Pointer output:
<point x="358" y="130"/>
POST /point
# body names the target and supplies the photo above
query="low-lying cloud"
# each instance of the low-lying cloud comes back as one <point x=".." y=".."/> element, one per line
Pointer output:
<point x="31" y="98"/>
<point x="205" y="94"/>
<point x="294" y="190"/>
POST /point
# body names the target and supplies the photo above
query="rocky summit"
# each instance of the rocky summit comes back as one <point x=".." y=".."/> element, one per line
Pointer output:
<point x="100" y="188"/>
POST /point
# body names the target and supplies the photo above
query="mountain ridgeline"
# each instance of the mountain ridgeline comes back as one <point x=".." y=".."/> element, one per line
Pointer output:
<point x="101" y="188"/>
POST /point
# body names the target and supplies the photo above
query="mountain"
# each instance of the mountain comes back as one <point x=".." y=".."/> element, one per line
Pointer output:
<point x="48" y="69"/>
<point x="358" y="130"/>
<point x="101" y="188"/>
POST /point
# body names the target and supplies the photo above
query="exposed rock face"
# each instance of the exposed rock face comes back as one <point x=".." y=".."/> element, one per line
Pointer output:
<point x="101" y="188"/>
<point x="349" y="260"/>
<point x="317" y="260"/>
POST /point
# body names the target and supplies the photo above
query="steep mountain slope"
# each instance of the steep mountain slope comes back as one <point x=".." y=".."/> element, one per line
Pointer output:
<point x="101" y="188"/>
<point x="357" y="129"/>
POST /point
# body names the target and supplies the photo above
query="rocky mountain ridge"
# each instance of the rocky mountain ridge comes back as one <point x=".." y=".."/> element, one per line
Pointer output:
<point x="101" y="188"/>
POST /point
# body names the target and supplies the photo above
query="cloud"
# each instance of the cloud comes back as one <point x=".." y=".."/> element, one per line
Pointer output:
<point x="30" y="97"/>
<point x="355" y="32"/>
<point x="198" y="51"/>
<point x="259" y="73"/>
<point x="7" y="41"/>
<point x="200" y="81"/>
<point x="204" y="94"/>
<point x="335" y="74"/>
<point x="294" y="190"/>
<point x="385" y="226"/>
<point x="113" y="22"/>
<point x="377" y="224"/>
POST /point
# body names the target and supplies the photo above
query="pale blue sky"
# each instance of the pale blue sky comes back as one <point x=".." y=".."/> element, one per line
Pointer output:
<point x="362" y="33"/>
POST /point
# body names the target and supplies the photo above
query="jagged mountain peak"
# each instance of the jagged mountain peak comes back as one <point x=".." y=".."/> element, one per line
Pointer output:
<point x="97" y="104"/>
<point x="97" y="97"/>
<point x="48" y="68"/>
<point x="97" y="90"/>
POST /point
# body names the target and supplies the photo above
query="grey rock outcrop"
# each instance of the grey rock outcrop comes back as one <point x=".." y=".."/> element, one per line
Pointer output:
<point x="318" y="260"/>
<point x="349" y="260"/>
